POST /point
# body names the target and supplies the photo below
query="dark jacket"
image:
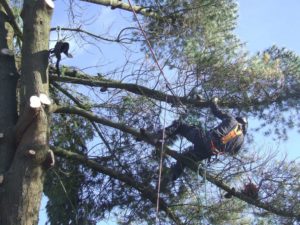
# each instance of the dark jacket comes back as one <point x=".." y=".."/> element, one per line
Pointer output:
<point x="228" y="123"/>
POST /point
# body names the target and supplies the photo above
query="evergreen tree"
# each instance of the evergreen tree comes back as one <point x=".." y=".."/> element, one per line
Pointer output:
<point x="104" y="166"/>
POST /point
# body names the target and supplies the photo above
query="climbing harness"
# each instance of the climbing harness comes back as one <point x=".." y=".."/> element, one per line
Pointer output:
<point x="236" y="131"/>
<point x="214" y="149"/>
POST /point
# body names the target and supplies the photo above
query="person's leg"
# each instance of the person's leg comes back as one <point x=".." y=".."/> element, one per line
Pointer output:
<point x="168" y="133"/>
<point x="191" y="133"/>
<point x="178" y="167"/>
<point x="173" y="173"/>
<point x="194" y="153"/>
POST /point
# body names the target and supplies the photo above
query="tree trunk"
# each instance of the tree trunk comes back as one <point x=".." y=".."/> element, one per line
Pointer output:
<point x="22" y="187"/>
<point x="8" y="77"/>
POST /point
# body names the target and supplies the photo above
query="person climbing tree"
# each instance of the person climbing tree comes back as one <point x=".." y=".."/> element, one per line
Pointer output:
<point x="227" y="137"/>
<point x="59" y="48"/>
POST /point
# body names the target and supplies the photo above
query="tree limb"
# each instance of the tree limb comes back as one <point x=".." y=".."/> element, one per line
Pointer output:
<point x="76" y="77"/>
<point x="124" y="6"/>
<point x="147" y="192"/>
<point x="268" y="207"/>
<point x="94" y="124"/>
<point x="12" y="18"/>
<point x="118" y="39"/>
<point x="133" y="88"/>
<point x="189" y="162"/>
<point x="91" y="116"/>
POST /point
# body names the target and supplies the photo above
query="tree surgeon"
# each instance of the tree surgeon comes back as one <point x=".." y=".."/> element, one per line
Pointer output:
<point x="227" y="137"/>
<point x="59" y="48"/>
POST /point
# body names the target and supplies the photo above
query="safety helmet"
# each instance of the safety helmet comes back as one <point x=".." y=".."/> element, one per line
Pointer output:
<point x="244" y="121"/>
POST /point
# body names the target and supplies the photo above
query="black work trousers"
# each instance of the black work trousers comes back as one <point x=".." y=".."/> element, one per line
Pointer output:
<point x="200" y="149"/>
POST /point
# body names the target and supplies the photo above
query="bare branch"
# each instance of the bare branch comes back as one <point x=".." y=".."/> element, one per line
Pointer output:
<point x="91" y="116"/>
<point x="189" y="162"/>
<point x="76" y="77"/>
<point x="119" y="38"/>
<point x="194" y="166"/>
<point x="134" y="88"/>
<point x="124" y="6"/>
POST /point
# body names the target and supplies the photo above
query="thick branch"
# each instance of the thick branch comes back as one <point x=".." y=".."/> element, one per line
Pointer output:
<point x="86" y="32"/>
<point x="75" y="77"/>
<point x="124" y="6"/>
<point x="189" y="162"/>
<point x="94" y="124"/>
<point x="133" y="88"/>
<point x="147" y="192"/>
<point x="194" y="166"/>
<point x="12" y="18"/>
<point x="91" y="116"/>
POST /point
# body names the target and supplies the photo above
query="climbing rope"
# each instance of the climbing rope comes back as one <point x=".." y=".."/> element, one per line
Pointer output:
<point x="58" y="30"/>
<point x="203" y="170"/>
<point x="164" y="117"/>
<point x="160" y="165"/>
<point x="168" y="85"/>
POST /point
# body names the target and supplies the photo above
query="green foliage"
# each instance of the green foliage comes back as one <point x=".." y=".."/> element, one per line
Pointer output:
<point x="65" y="184"/>
<point x="82" y="196"/>
<point x="191" y="32"/>
<point x="195" y="39"/>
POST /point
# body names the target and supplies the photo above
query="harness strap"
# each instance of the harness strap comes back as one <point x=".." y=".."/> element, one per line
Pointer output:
<point x="236" y="131"/>
<point x="214" y="150"/>
<point x="232" y="134"/>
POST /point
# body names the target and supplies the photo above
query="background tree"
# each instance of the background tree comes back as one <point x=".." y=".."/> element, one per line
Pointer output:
<point x="103" y="164"/>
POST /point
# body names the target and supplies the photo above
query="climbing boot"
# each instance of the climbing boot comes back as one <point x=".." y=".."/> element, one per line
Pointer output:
<point x="157" y="136"/>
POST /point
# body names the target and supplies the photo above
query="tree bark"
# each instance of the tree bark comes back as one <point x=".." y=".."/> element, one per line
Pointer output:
<point x="23" y="182"/>
<point x="8" y="77"/>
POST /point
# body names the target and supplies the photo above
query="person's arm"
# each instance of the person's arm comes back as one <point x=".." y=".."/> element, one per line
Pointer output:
<point x="217" y="111"/>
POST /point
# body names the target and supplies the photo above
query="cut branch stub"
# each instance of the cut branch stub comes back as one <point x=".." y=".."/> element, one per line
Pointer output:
<point x="1" y="178"/>
<point x="31" y="153"/>
<point x="6" y="51"/>
<point x="35" y="102"/>
<point x="50" y="160"/>
<point x="45" y="99"/>
<point x="50" y="3"/>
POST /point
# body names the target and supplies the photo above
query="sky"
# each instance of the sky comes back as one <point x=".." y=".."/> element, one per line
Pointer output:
<point x="261" y="24"/>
